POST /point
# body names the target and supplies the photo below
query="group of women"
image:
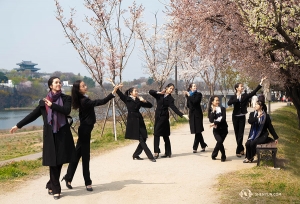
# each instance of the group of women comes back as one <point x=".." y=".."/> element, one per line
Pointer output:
<point x="58" y="143"/>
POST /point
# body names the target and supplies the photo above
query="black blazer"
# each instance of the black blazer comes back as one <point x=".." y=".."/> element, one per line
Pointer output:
<point x="267" y="126"/>
<point x="162" y="125"/>
<point x="135" y="123"/>
<point x="195" y="113"/>
<point x="58" y="148"/>
<point x="240" y="107"/>
<point x="222" y="126"/>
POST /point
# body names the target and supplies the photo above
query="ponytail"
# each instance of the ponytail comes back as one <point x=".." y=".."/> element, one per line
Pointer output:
<point x="129" y="91"/>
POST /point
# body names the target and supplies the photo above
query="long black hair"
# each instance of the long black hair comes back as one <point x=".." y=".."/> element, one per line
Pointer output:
<point x="211" y="99"/>
<point x="129" y="91"/>
<point x="190" y="86"/>
<point x="263" y="106"/>
<point x="50" y="81"/>
<point x="76" y="95"/>
<point x="189" y="89"/>
<point x="169" y="85"/>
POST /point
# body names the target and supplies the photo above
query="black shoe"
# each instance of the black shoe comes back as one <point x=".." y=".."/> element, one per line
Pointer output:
<point x="194" y="151"/>
<point x="137" y="158"/>
<point x="56" y="197"/>
<point x="165" y="156"/>
<point x="89" y="189"/>
<point x="203" y="149"/>
<point x="213" y="158"/>
<point x="67" y="183"/>
<point x="153" y="160"/>
<point x="223" y="159"/>
<point x="156" y="157"/>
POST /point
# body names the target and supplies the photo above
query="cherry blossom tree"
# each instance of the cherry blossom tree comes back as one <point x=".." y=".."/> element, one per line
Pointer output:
<point x="159" y="52"/>
<point x="257" y="37"/>
<point x="106" y="47"/>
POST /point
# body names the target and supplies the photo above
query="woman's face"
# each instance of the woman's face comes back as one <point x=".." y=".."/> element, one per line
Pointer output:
<point x="82" y="88"/>
<point x="194" y="87"/>
<point x="134" y="93"/>
<point x="169" y="89"/>
<point x="257" y="107"/>
<point x="216" y="101"/>
<point x="56" y="85"/>
<point x="240" y="88"/>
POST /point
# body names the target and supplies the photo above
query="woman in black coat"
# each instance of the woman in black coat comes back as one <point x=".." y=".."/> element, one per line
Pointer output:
<point x="135" y="127"/>
<point x="260" y="124"/>
<point x="239" y="102"/>
<point x="58" y="143"/>
<point x="87" y="119"/>
<point x="217" y="117"/>
<point x="195" y="116"/>
<point x="164" y="100"/>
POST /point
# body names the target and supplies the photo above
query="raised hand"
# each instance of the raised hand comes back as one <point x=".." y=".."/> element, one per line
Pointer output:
<point x="116" y="87"/>
<point x="13" y="129"/>
<point x="186" y="117"/>
<point x="142" y="99"/>
<point x="47" y="102"/>
<point x="262" y="79"/>
<point x="162" y="92"/>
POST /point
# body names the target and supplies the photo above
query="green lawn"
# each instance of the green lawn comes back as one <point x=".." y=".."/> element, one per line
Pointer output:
<point x="269" y="185"/>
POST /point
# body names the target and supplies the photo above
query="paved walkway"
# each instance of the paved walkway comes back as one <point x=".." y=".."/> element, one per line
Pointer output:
<point x="184" y="178"/>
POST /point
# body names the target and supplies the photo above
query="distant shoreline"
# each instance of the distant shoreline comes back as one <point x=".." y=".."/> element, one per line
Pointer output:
<point x="19" y="108"/>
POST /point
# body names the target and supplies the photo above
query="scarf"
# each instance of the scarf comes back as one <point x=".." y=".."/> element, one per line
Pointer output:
<point x="192" y="92"/>
<point x="257" y="127"/>
<point x="54" y="118"/>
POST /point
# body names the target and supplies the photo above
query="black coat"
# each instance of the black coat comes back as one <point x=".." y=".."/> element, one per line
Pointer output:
<point x="162" y="125"/>
<point x="135" y="123"/>
<point x="195" y="113"/>
<point x="267" y="126"/>
<point x="59" y="148"/>
<point x="222" y="126"/>
<point x="240" y="107"/>
<point x="87" y="114"/>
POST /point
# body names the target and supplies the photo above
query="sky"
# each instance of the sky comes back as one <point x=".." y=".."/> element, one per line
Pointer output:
<point x="30" y="32"/>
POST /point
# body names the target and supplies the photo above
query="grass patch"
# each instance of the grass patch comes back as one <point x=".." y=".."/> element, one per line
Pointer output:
<point x="16" y="145"/>
<point x="267" y="184"/>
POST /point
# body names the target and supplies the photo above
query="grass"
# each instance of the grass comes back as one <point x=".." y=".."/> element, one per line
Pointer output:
<point x="269" y="185"/>
<point x="16" y="145"/>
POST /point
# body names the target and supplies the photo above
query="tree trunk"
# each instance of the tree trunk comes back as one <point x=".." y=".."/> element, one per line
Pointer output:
<point x="293" y="90"/>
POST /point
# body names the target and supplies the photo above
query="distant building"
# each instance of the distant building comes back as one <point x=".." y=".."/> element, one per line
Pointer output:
<point x="27" y="65"/>
<point x="8" y="84"/>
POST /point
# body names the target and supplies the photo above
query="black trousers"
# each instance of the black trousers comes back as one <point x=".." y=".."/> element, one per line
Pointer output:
<point x="168" y="151"/>
<point x="143" y="146"/>
<point x="251" y="146"/>
<point x="82" y="151"/>
<point x="239" y="127"/>
<point x="199" y="139"/>
<point x="220" y="137"/>
<point x="53" y="184"/>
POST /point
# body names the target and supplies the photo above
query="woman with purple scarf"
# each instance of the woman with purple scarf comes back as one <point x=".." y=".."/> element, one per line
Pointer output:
<point x="260" y="124"/>
<point x="58" y="143"/>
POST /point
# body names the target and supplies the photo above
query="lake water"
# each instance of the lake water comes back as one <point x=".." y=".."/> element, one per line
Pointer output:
<point x="10" y="118"/>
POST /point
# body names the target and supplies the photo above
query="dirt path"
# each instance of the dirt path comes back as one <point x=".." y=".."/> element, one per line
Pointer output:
<point x="184" y="178"/>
